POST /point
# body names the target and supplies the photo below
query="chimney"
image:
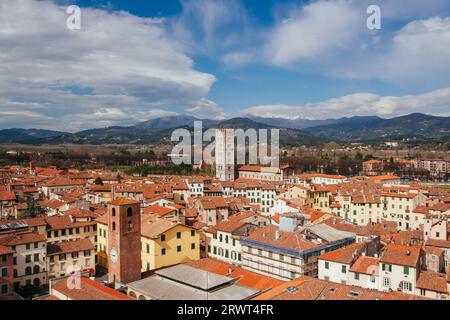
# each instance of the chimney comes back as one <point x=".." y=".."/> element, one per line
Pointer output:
<point x="408" y="252"/>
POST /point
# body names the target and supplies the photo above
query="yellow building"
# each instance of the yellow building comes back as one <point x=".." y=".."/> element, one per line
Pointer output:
<point x="102" y="241"/>
<point x="166" y="243"/>
<point x="163" y="243"/>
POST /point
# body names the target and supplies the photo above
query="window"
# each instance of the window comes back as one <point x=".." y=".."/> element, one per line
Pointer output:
<point x="148" y="248"/>
<point x="387" y="282"/>
<point x="327" y="265"/>
<point x="28" y="258"/>
<point x="129" y="212"/>
<point x="113" y="226"/>
<point x="178" y="235"/>
<point x="63" y="232"/>
<point x="163" y="237"/>
<point x="36" y="257"/>
<point x="36" y="269"/>
<point x="193" y="246"/>
<point x="356" y="276"/>
<point x="62" y="257"/>
<point x="4" y="272"/>
<point x="27" y="271"/>
<point x="27" y="246"/>
<point x="344" y="269"/>
<point x="4" y="289"/>
<point x="163" y="251"/>
<point x="113" y="212"/>
<point x="36" y="245"/>
<point x="55" y="233"/>
<point x="74" y="255"/>
<point x="405" y="270"/>
<point x="192" y="233"/>
<point x="407" y="286"/>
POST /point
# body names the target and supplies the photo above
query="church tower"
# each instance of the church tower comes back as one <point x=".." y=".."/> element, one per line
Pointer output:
<point x="224" y="154"/>
<point x="124" y="241"/>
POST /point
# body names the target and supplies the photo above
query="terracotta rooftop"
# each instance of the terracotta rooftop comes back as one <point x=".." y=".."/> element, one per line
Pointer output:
<point x="89" y="290"/>
<point x="345" y="255"/>
<point x="245" y="277"/>
<point x="70" y="246"/>
<point x="432" y="281"/>
<point x="402" y="255"/>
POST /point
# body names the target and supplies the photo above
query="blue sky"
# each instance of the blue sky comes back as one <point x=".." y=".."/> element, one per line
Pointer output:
<point x="135" y="60"/>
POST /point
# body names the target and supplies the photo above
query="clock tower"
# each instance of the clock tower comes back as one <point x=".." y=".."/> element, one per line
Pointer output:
<point x="124" y="241"/>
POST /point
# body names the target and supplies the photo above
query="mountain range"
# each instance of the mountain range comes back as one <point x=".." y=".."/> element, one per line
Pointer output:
<point x="292" y="132"/>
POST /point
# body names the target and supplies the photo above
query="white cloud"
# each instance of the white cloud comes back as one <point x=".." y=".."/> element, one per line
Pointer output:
<point x="362" y="104"/>
<point x="207" y="109"/>
<point x="316" y="30"/>
<point x="116" y="61"/>
<point x="209" y="26"/>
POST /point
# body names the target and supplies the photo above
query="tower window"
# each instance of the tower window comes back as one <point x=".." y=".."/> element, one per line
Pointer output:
<point x="129" y="212"/>
<point x="130" y="226"/>
<point x="113" y="212"/>
<point x="114" y="226"/>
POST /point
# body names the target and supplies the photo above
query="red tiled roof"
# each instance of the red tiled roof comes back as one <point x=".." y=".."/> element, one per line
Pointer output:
<point x="158" y="210"/>
<point x="245" y="277"/>
<point x="365" y="265"/>
<point x="344" y="255"/>
<point x="89" y="290"/>
<point x="70" y="246"/>
<point x="7" y="196"/>
<point x="432" y="281"/>
<point x="23" y="238"/>
<point x="5" y="250"/>
<point x="401" y="255"/>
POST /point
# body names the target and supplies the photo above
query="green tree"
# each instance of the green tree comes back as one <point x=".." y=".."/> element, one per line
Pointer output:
<point x="33" y="209"/>
<point x="98" y="181"/>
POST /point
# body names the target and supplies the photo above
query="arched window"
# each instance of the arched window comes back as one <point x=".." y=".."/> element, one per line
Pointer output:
<point x="141" y="297"/>
<point x="113" y="212"/>
<point x="28" y="271"/>
<point x="15" y="273"/>
<point x="114" y="226"/>
<point x="130" y="226"/>
<point x="36" y="269"/>
<point x="129" y="212"/>
<point x="132" y="294"/>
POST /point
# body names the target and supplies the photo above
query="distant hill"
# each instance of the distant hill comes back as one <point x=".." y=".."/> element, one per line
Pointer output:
<point x="158" y="130"/>
<point x="415" y="125"/>
<point x="172" y="122"/>
<point x="16" y="135"/>
<point x="294" y="124"/>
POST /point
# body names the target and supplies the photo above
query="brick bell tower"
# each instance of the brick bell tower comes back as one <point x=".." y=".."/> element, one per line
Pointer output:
<point x="124" y="241"/>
